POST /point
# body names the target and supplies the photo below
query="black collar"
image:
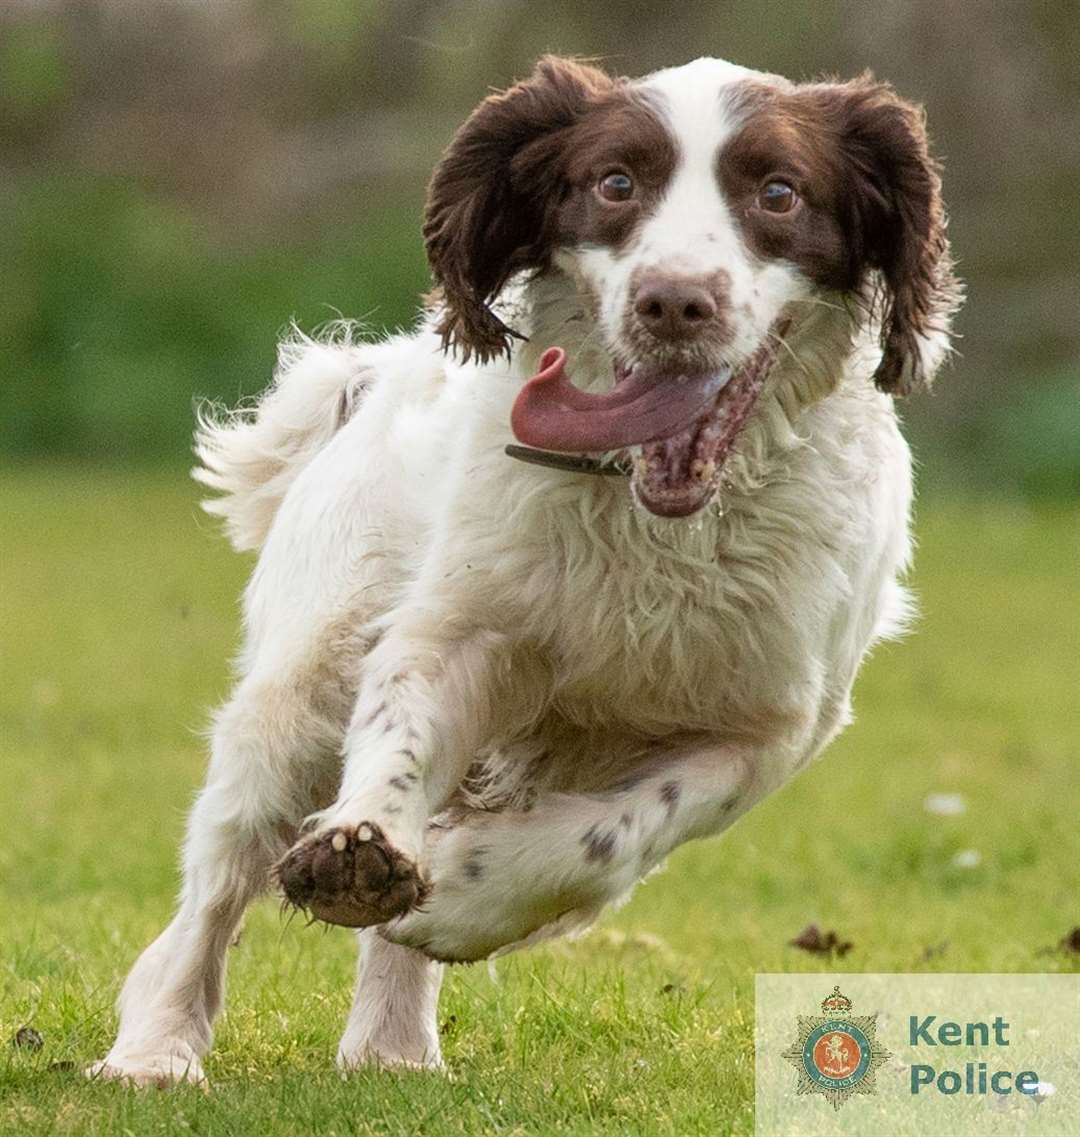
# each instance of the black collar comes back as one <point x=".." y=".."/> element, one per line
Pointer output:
<point x="572" y="463"/>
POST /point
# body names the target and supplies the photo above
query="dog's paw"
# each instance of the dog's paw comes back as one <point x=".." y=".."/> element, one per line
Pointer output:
<point x="371" y="1057"/>
<point x="442" y="942"/>
<point x="467" y="937"/>
<point x="481" y="903"/>
<point x="464" y="921"/>
<point x="153" y="1071"/>
<point x="351" y="876"/>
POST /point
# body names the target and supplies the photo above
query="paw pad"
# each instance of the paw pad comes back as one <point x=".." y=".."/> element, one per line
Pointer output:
<point x="350" y="876"/>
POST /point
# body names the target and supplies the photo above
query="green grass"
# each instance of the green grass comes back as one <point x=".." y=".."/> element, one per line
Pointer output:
<point x="118" y="616"/>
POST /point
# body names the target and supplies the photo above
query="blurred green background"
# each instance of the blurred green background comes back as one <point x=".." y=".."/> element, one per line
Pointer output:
<point x="180" y="178"/>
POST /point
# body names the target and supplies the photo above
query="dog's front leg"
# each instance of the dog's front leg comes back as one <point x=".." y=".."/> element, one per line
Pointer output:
<point x="499" y="877"/>
<point x="426" y="702"/>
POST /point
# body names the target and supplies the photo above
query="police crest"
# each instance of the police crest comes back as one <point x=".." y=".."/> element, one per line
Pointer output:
<point x="837" y="1053"/>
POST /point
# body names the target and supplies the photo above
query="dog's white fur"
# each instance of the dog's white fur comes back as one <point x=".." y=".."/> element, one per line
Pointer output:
<point x="612" y="684"/>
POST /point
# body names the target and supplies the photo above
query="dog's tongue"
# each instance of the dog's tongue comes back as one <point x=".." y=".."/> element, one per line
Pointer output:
<point x="550" y="413"/>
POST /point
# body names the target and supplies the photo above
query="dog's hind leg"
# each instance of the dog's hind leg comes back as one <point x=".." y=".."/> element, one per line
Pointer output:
<point x="393" y="1018"/>
<point x="499" y="877"/>
<point x="269" y="747"/>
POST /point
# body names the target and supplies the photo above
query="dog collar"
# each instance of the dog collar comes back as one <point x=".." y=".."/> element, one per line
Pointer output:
<point x="571" y="463"/>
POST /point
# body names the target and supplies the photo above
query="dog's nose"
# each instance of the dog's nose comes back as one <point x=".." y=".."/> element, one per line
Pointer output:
<point x="674" y="308"/>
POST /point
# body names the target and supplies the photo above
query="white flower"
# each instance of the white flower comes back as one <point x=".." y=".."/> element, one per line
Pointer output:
<point x="945" y="805"/>
<point x="967" y="859"/>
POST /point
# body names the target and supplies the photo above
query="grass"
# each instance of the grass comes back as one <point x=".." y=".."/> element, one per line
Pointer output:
<point x="118" y="609"/>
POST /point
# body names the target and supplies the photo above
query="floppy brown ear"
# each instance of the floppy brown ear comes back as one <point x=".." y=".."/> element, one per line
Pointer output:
<point x="899" y="221"/>
<point x="493" y="194"/>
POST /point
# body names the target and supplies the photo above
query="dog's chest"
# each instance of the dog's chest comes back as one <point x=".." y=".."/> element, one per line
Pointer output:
<point x="669" y="626"/>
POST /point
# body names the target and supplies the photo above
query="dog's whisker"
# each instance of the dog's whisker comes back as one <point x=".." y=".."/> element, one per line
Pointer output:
<point x="818" y="302"/>
<point x="782" y="342"/>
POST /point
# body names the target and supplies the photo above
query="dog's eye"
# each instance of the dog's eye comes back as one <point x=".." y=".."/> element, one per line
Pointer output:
<point x="777" y="197"/>
<point x="616" y="186"/>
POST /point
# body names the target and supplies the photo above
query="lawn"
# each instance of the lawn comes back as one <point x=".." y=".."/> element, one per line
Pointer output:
<point x="118" y="605"/>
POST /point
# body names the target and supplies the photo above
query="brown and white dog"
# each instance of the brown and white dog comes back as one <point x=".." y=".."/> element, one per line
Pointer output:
<point x="480" y="698"/>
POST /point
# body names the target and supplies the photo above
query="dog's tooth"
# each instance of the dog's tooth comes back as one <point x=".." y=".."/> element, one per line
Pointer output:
<point x="702" y="471"/>
<point x="338" y="842"/>
<point x="364" y="833"/>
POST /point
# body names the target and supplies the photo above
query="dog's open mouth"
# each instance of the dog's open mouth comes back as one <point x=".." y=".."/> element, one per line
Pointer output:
<point x="684" y="424"/>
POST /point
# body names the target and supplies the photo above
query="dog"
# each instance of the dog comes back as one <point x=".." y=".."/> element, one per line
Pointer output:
<point x="585" y="565"/>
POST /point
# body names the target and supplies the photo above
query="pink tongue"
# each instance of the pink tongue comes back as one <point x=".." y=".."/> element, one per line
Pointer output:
<point x="550" y="413"/>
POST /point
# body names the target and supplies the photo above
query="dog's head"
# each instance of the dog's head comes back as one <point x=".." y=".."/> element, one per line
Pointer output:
<point x="701" y="210"/>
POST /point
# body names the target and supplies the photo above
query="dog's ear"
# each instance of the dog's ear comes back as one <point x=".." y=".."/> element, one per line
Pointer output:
<point x="492" y="197"/>
<point x="897" y="226"/>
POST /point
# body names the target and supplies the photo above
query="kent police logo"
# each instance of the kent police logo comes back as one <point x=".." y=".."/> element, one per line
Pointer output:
<point x="837" y="1053"/>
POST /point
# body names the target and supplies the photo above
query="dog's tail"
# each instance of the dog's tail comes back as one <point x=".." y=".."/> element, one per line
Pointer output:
<point x="252" y="454"/>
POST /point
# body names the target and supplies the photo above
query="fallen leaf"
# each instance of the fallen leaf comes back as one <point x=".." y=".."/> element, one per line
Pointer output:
<point x="26" y="1038"/>
<point x="814" y="940"/>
